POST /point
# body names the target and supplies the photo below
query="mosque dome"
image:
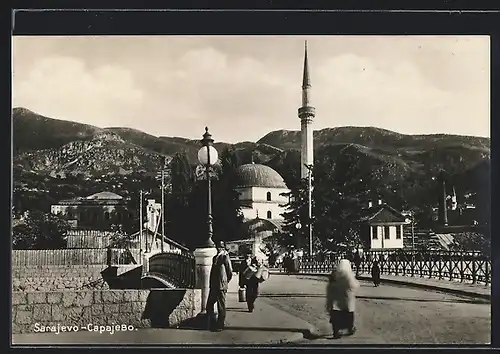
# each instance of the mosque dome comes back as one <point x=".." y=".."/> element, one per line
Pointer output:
<point x="256" y="175"/>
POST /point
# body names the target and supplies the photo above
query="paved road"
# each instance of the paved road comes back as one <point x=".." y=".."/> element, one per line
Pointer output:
<point x="386" y="314"/>
<point x="289" y="305"/>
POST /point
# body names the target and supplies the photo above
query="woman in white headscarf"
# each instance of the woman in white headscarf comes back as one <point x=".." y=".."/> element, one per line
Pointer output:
<point x="341" y="298"/>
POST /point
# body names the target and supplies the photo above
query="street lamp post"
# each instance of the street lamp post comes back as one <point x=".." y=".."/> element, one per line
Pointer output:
<point x="204" y="253"/>
<point x="298" y="226"/>
<point x="208" y="156"/>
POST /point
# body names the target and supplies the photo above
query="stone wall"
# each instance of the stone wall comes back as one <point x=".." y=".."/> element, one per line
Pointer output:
<point x="138" y="308"/>
<point x="47" y="278"/>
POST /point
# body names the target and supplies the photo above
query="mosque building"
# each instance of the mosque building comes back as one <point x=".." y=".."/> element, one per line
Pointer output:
<point x="261" y="188"/>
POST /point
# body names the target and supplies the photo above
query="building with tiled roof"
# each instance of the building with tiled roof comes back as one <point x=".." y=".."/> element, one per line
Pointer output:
<point x="96" y="211"/>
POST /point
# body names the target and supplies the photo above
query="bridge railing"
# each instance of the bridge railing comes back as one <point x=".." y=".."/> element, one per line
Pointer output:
<point x="177" y="268"/>
<point x="470" y="267"/>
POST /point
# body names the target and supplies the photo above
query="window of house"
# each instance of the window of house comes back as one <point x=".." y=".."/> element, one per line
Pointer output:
<point x="269" y="215"/>
<point x="398" y="232"/>
<point x="374" y="232"/>
<point x="268" y="196"/>
<point x="386" y="232"/>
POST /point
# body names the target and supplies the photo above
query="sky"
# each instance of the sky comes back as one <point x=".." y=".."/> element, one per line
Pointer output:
<point x="243" y="87"/>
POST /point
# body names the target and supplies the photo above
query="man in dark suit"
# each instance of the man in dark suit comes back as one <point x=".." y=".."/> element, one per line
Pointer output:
<point x="220" y="276"/>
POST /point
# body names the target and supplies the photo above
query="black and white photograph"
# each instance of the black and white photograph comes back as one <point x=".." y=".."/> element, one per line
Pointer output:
<point x="298" y="190"/>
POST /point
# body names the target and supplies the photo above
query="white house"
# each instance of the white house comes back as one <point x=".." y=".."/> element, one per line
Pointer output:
<point x="382" y="227"/>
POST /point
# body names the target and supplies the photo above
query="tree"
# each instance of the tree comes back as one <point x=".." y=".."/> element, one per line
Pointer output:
<point x="285" y="163"/>
<point x="131" y="223"/>
<point x="272" y="246"/>
<point x="342" y="187"/>
<point x="120" y="238"/>
<point x="471" y="241"/>
<point x="227" y="215"/>
<point x="296" y="213"/>
<point x="40" y="231"/>
<point x="178" y="216"/>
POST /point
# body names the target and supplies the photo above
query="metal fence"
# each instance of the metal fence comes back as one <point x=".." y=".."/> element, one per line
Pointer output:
<point x="73" y="257"/>
<point x="177" y="268"/>
<point x="473" y="267"/>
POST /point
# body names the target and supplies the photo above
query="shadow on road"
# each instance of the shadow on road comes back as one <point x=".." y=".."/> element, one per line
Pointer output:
<point x="305" y="332"/>
<point x="460" y="301"/>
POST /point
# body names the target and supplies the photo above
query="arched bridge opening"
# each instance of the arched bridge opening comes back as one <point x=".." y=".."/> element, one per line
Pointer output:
<point x="170" y="270"/>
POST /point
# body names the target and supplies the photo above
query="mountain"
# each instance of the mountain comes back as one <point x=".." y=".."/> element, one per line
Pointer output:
<point x="57" y="147"/>
<point x="373" y="137"/>
<point x="32" y="131"/>
<point x="398" y="154"/>
<point x="52" y="146"/>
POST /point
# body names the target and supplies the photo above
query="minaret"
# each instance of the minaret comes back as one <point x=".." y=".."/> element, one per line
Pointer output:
<point x="306" y="114"/>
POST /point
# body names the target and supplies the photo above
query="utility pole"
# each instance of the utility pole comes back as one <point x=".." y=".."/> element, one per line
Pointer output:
<point x="140" y="223"/>
<point x="412" y="238"/>
<point x="162" y="203"/>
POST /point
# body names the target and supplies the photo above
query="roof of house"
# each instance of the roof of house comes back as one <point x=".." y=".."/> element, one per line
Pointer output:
<point x="259" y="225"/>
<point x="104" y="195"/>
<point x="97" y="198"/>
<point x="444" y="240"/>
<point x="381" y="213"/>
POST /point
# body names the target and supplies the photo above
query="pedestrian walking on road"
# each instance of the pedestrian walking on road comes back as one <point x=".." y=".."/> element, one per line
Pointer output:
<point x="376" y="273"/>
<point x="220" y="276"/>
<point x="357" y="262"/>
<point x="289" y="263"/>
<point x="252" y="284"/>
<point x="341" y="298"/>
<point x="241" y="270"/>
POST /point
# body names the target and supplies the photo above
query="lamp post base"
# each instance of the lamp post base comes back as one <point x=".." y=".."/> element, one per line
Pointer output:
<point x="204" y="258"/>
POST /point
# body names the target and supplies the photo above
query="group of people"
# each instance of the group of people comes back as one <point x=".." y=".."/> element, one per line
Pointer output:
<point x="290" y="262"/>
<point x="221" y="274"/>
<point x="340" y="292"/>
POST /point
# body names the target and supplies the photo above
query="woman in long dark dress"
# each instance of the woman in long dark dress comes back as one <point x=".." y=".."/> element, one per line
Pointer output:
<point x="376" y="273"/>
